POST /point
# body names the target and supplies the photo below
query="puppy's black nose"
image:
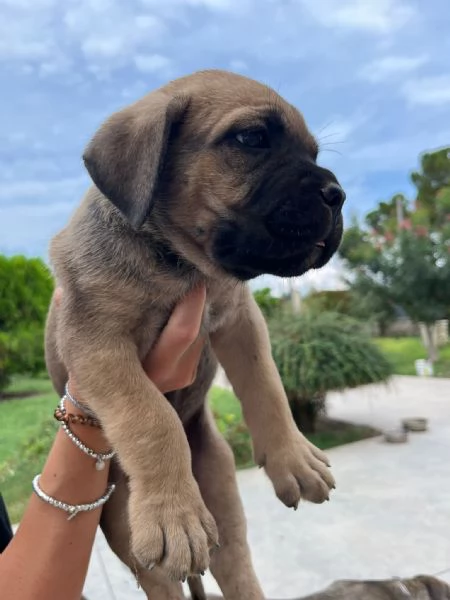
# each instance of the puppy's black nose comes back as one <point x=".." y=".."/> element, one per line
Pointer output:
<point x="333" y="195"/>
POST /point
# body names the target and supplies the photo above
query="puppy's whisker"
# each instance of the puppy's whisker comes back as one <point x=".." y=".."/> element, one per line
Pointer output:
<point x="333" y="150"/>
<point x="324" y="127"/>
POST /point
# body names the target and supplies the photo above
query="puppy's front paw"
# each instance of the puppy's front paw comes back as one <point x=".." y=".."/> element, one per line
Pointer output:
<point x="175" y="532"/>
<point x="298" y="470"/>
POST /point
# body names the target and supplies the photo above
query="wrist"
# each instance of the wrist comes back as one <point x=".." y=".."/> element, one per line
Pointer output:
<point x="91" y="436"/>
<point x="77" y="467"/>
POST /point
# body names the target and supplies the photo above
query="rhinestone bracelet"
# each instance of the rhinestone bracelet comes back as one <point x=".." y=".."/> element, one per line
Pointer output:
<point x="71" y="509"/>
<point x="99" y="457"/>
<point x="78" y="405"/>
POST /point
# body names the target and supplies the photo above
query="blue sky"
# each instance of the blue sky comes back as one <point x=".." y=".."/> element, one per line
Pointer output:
<point x="372" y="78"/>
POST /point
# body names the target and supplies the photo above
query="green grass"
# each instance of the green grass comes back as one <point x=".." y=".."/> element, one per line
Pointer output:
<point x="402" y="352"/>
<point x="27" y="431"/>
<point x="25" y="385"/>
<point x="225" y="403"/>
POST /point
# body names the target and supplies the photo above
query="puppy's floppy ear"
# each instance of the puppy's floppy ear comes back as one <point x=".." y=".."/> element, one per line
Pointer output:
<point x="126" y="155"/>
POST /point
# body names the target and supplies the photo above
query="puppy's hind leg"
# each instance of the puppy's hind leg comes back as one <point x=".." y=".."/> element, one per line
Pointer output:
<point x="214" y="469"/>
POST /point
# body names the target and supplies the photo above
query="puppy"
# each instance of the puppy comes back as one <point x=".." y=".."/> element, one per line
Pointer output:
<point x="210" y="179"/>
<point x="421" y="587"/>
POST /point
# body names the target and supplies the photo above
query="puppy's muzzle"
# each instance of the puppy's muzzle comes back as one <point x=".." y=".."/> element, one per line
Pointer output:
<point x="333" y="195"/>
<point x="315" y="217"/>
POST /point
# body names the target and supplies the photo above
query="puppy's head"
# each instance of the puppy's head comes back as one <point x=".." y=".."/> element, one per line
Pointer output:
<point x="228" y="170"/>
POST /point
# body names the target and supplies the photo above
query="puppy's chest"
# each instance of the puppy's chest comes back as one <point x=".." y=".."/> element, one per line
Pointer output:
<point x="218" y="310"/>
<point x="216" y="313"/>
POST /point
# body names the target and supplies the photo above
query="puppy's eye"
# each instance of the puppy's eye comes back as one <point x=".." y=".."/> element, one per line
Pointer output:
<point x="254" y="138"/>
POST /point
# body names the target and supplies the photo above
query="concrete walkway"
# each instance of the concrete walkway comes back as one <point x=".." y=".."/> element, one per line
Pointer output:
<point x="389" y="516"/>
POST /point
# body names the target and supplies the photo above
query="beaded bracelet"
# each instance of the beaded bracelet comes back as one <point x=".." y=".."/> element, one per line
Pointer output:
<point x="100" y="457"/>
<point x="71" y="509"/>
<point x="78" y="405"/>
<point x="62" y="415"/>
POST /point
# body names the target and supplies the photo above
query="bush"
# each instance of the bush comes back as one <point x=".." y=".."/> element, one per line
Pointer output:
<point x="316" y="353"/>
<point x="236" y="434"/>
<point x="27" y="286"/>
<point x="21" y="353"/>
<point x="6" y="369"/>
<point x="27" y="351"/>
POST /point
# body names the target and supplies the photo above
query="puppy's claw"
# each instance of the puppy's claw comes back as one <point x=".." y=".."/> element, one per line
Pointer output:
<point x="150" y="566"/>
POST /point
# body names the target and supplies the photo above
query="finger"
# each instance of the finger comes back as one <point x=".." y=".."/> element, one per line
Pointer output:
<point x="186" y="319"/>
<point x="191" y="356"/>
<point x="181" y="331"/>
<point x="57" y="296"/>
<point x="185" y="371"/>
<point x="176" y="375"/>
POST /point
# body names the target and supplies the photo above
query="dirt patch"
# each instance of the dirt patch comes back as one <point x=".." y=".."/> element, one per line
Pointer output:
<point x="14" y="395"/>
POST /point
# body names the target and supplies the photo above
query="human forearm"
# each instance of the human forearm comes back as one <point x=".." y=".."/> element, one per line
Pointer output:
<point x="59" y="546"/>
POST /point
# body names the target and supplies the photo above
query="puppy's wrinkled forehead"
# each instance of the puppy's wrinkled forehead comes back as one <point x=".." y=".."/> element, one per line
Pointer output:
<point x="219" y="101"/>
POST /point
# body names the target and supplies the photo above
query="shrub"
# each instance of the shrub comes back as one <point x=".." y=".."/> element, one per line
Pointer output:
<point x="6" y="369"/>
<point x="27" y="350"/>
<point x="236" y="434"/>
<point x="319" y="352"/>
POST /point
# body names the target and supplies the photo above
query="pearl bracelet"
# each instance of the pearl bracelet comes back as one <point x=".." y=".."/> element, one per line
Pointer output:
<point x="99" y="457"/>
<point x="78" y="405"/>
<point x="71" y="509"/>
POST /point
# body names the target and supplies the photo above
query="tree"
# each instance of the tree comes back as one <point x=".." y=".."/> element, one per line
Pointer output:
<point x="317" y="352"/>
<point x="409" y="268"/>
<point x="268" y="304"/>
<point x="26" y="288"/>
<point x="368" y="302"/>
<point x="26" y="285"/>
<point x="430" y="180"/>
<point x="329" y="300"/>
<point x="400" y="255"/>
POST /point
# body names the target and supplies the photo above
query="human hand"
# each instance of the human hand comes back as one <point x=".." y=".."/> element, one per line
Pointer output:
<point x="172" y="362"/>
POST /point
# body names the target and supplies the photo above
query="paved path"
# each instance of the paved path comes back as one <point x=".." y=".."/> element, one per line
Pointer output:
<point x="390" y="514"/>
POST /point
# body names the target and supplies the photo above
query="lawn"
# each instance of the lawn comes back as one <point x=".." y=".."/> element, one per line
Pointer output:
<point x="27" y="431"/>
<point x="402" y="352"/>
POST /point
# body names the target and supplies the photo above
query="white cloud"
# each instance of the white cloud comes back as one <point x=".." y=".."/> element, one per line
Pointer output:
<point x="374" y="16"/>
<point x="152" y="63"/>
<point x="27" y="227"/>
<point x="216" y="5"/>
<point x="135" y="90"/>
<point x="238" y="65"/>
<point x="396" y="154"/>
<point x="339" y="128"/>
<point x="25" y="30"/>
<point x="12" y="190"/>
<point x="428" y="91"/>
<point x="109" y="30"/>
<point x="329" y="277"/>
<point x="389" y="67"/>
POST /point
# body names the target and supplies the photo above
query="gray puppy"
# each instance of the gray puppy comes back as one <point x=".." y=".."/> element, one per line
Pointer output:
<point x="421" y="587"/>
<point x="213" y="180"/>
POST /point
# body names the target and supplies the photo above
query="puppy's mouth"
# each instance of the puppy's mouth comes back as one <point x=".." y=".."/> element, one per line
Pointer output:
<point x="247" y="252"/>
